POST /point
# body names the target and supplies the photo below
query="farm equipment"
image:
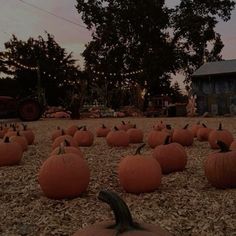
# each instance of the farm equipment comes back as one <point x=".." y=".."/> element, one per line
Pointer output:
<point x="27" y="109"/>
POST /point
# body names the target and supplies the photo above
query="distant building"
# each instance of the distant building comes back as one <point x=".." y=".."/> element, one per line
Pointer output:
<point x="214" y="83"/>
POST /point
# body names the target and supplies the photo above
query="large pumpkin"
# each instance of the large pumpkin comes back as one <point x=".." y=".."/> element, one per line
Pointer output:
<point x="124" y="223"/>
<point x="117" y="138"/>
<point x="21" y="140"/>
<point x="183" y="136"/>
<point x="171" y="156"/>
<point x="102" y="131"/>
<point x="65" y="175"/>
<point x="84" y="137"/>
<point x="10" y="152"/>
<point x="139" y="173"/>
<point x="155" y="138"/>
<point x="233" y="145"/>
<point x="220" y="167"/>
<point x="220" y="135"/>
<point x="135" y="135"/>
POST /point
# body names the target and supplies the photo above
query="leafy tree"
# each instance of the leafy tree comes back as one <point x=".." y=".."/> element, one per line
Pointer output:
<point x="129" y="35"/>
<point x="176" y="94"/>
<point x="56" y="66"/>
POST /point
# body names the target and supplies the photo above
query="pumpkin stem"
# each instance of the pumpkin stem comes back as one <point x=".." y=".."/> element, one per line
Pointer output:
<point x="168" y="126"/>
<point x="115" y="128"/>
<point x="186" y="126"/>
<point x="58" y="127"/>
<point x="138" y="151"/>
<point x="220" y="126"/>
<point x="123" y="122"/>
<point x="6" y="139"/>
<point x="123" y="217"/>
<point x="134" y="126"/>
<point x="61" y="149"/>
<point x="66" y="143"/>
<point x="103" y="126"/>
<point x="204" y="125"/>
<point x="223" y="146"/>
<point x="84" y="128"/>
<point x="167" y="140"/>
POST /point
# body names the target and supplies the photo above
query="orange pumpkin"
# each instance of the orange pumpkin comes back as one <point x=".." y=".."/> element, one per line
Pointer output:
<point x="21" y="140"/>
<point x="171" y="156"/>
<point x="84" y="137"/>
<point x="220" y="135"/>
<point x="65" y="175"/>
<point x="28" y="133"/>
<point x="220" y="167"/>
<point x="117" y="138"/>
<point x="139" y="173"/>
<point x="102" y="131"/>
<point x="135" y="135"/>
<point x="72" y="129"/>
<point x="156" y="138"/>
<point x="125" y="126"/>
<point x="61" y="139"/>
<point x="183" y="136"/>
<point x="124" y="223"/>
<point x="56" y="133"/>
<point x="233" y="145"/>
<point x="203" y="133"/>
<point x="10" y="152"/>
<point x="194" y="128"/>
<point x="159" y="126"/>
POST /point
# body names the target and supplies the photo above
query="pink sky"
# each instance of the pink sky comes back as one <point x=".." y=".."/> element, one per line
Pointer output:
<point x="25" y="21"/>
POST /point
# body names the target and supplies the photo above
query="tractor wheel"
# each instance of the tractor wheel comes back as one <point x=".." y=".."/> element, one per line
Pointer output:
<point x="29" y="110"/>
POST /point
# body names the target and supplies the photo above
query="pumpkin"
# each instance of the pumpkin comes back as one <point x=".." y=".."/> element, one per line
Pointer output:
<point x="171" y="156"/>
<point x="135" y="135"/>
<point x="2" y="132"/>
<point x="139" y="173"/>
<point x="125" y="126"/>
<point x="21" y="140"/>
<point x="56" y="133"/>
<point x="117" y="138"/>
<point x="156" y="138"/>
<point x="220" y="167"/>
<point x="72" y="129"/>
<point x="183" y="136"/>
<point x="61" y="139"/>
<point x="124" y="223"/>
<point x="203" y="133"/>
<point x="84" y="137"/>
<point x="233" y="145"/>
<point x="28" y="133"/>
<point x="68" y="149"/>
<point x="102" y="131"/>
<point x="10" y="152"/>
<point x="220" y="135"/>
<point x="65" y="175"/>
<point x="194" y="128"/>
<point x="11" y="131"/>
<point x="159" y="126"/>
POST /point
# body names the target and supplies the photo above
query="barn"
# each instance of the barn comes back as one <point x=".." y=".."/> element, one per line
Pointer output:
<point x="214" y="85"/>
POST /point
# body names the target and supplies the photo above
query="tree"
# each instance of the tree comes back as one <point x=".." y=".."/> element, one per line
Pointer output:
<point x="129" y="35"/>
<point x="56" y="68"/>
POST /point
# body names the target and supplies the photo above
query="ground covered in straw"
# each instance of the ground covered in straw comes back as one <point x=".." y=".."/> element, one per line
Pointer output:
<point x="185" y="204"/>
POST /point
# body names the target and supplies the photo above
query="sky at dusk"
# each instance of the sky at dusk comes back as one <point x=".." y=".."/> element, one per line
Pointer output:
<point x="25" y="21"/>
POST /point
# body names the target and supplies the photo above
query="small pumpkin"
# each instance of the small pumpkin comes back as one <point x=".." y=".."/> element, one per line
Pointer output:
<point x="56" y="133"/>
<point x="117" y="138"/>
<point x="102" y="131"/>
<point x="72" y="129"/>
<point x="203" y="133"/>
<point x="124" y="223"/>
<point x="10" y="152"/>
<point x="135" y="135"/>
<point x="28" y="133"/>
<point x="139" y="173"/>
<point x="84" y="137"/>
<point x="220" y="167"/>
<point x="155" y="138"/>
<point x="125" y="126"/>
<point x="183" y="136"/>
<point x="65" y="175"/>
<point x="21" y="140"/>
<point x="11" y="131"/>
<point x="63" y="138"/>
<point x="159" y="126"/>
<point x="194" y="128"/>
<point x="171" y="156"/>
<point x="220" y="135"/>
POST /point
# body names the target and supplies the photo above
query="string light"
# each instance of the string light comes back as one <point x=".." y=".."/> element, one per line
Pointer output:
<point x="122" y="74"/>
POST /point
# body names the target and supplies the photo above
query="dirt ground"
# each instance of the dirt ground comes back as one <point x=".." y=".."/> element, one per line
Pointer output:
<point x="185" y="204"/>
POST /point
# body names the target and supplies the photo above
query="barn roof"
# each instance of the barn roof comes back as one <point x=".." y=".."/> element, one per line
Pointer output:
<point x="216" y="68"/>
